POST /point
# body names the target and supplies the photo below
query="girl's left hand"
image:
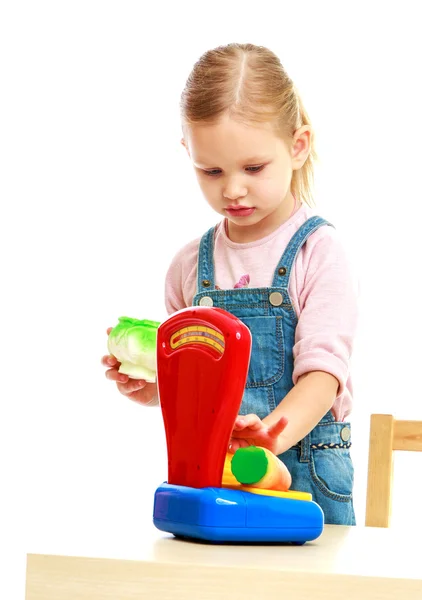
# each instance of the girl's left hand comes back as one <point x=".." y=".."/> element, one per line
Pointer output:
<point x="249" y="430"/>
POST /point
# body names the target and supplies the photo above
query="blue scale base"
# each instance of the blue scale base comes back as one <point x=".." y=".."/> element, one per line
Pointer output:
<point x="228" y="515"/>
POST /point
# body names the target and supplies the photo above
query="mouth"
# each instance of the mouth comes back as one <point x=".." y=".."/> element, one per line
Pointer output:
<point x="239" y="211"/>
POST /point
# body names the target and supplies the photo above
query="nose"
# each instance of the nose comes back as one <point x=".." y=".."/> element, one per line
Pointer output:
<point x="234" y="188"/>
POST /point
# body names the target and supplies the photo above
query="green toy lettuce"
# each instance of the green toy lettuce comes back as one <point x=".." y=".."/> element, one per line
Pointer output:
<point x="134" y="344"/>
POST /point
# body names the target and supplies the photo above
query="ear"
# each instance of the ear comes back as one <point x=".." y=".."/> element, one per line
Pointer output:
<point x="183" y="142"/>
<point x="301" y="146"/>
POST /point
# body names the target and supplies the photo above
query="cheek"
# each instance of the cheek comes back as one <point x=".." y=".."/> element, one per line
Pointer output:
<point x="274" y="186"/>
<point x="267" y="188"/>
<point x="208" y="185"/>
<point x="210" y="189"/>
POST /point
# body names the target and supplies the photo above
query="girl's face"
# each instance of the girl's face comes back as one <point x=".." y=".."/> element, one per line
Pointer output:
<point x="245" y="172"/>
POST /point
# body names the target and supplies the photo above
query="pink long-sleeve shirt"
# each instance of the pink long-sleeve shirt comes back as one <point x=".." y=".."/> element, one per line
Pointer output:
<point x="322" y="289"/>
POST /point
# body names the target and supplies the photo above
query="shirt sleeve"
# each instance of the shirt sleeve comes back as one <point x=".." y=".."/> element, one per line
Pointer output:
<point x="173" y="293"/>
<point x="180" y="281"/>
<point x="328" y="309"/>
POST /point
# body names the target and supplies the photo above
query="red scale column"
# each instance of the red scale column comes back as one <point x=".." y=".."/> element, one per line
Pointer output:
<point x="202" y="364"/>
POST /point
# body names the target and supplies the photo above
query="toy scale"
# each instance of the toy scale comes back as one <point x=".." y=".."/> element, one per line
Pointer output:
<point x="203" y="358"/>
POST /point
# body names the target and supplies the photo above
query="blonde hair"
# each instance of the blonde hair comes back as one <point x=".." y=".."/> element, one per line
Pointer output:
<point x="249" y="83"/>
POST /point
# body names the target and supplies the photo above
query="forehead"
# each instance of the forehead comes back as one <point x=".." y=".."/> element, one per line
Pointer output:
<point x="229" y="141"/>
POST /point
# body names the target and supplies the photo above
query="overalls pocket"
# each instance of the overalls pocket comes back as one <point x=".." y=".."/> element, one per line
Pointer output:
<point x="332" y="472"/>
<point x="267" y="357"/>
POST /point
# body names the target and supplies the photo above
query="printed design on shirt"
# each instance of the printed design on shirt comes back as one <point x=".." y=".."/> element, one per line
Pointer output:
<point x="198" y="334"/>
<point x="242" y="283"/>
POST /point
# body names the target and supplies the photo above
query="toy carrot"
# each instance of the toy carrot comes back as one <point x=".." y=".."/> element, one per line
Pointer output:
<point x="258" y="467"/>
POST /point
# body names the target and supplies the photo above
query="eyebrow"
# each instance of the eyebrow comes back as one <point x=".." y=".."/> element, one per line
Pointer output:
<point x="254" y="160"/>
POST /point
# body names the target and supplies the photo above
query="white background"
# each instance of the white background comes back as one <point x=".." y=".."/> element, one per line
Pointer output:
<point x="97" y="194"/>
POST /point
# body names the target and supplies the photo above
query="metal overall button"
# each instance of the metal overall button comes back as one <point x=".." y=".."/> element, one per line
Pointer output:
<point x="206" y="301"/>
<point x="276" y="299"/>
<point x="345" y="434"/>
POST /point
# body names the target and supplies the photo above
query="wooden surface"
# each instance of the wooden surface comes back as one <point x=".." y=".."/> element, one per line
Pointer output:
<point x="357" y="563"/>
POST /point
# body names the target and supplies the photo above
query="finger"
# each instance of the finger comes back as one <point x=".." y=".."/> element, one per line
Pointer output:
<point x="233" y="446"/>
<point x="109" y="361"/>
<point x="114" y="375"/>
<point x="251" y="421"/>
<point x="239" y="424"/>
<point x="131" y="386"/>
<point x="236" y="443"/>
<point x="108" y="330"/>
<point x="278" y="427"/>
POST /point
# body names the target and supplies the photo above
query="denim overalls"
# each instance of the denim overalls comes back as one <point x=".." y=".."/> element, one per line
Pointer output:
<point x="321" y="462"/>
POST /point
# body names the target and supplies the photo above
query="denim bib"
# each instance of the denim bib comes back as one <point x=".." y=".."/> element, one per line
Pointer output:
<point x="272" y="320"/>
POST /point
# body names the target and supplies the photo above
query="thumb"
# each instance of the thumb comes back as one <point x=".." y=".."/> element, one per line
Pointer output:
<point x="278" y="427"/>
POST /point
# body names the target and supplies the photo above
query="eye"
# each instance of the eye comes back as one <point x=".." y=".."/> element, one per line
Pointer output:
<point x="256" y="169"/>
<point x="212" y="172"/>
<point x="215" y="172"/>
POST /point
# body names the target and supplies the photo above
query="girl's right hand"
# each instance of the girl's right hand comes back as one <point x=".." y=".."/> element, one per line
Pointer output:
<point x="134" y="389"/>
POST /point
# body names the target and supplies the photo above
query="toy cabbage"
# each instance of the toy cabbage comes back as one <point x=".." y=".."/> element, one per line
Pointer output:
<point x="134" y="344"/>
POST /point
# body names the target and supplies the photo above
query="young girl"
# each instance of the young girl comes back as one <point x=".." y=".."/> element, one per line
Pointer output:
<point x="273" y="263"/>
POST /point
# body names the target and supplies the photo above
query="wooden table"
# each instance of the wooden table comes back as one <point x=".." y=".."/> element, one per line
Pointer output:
<point x="345" y="562"/>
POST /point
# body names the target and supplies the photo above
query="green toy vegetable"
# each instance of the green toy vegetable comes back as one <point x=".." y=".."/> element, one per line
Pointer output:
<point x="134" y="344"/>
